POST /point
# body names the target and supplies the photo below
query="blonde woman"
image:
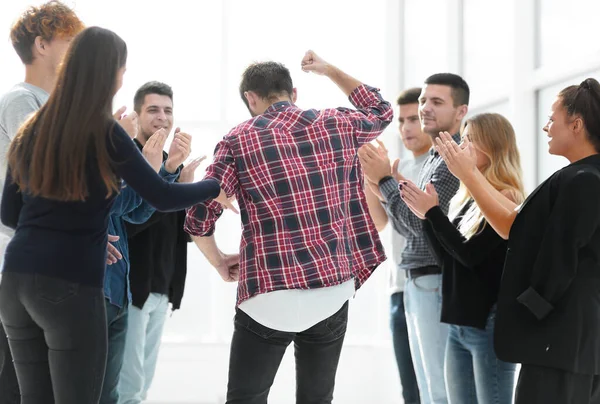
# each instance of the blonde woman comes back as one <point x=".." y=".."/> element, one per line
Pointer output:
<point x="471" y="255"/>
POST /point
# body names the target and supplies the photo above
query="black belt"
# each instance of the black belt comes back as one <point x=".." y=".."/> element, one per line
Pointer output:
<point x="428" y="270"/>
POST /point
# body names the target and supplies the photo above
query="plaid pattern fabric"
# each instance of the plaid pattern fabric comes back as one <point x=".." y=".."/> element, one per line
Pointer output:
<point x="296" y="176"/>
<point x="416" y="252"/>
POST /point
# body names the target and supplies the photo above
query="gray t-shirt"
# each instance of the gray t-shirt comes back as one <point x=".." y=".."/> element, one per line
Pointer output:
<point x="410" y="170"/>
<point x="15" y="107"/>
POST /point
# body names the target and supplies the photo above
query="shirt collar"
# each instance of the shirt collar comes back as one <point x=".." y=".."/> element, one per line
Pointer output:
<point x="278" y="106"/>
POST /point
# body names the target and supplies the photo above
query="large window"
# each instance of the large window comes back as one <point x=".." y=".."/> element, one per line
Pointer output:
<point x="487" y="33"/>
<point x="502" y="108"/>
<point x="181" y="47"/>
<point x="425" y="40"/>
<point x="567" y="31"/>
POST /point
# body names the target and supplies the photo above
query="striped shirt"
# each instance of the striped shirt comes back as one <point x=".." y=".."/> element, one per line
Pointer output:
<point x="416" y="252"/>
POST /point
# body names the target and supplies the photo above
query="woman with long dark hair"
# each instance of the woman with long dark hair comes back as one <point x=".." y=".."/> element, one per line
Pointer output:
<point x="549" y="301"/>
<point x="64" y="172"/>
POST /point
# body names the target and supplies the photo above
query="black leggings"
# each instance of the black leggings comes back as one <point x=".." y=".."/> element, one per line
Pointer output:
<point x="57" y="334"/>
<point x="9" y="387"/>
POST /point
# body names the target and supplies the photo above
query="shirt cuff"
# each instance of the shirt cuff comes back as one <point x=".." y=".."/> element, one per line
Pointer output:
<point x="215" y="187"/>
<point x="364" y="95"/>
<point x="435" y="213"/>
<point x="388" y="188"/>
<point x="536" y="304"/>
<point x="167" y="176"/>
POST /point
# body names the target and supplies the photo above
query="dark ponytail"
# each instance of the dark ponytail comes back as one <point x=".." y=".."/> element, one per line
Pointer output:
<point x="584" y="100"/>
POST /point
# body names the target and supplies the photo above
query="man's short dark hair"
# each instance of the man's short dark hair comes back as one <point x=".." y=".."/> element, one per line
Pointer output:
<point x="151" y="87"/>
<point x="409" y="96"/>
<point x="460" y="88"/>
<point x="267" y="80"/>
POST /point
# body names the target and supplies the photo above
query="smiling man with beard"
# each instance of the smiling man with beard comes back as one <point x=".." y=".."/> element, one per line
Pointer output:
<point x="443" y="104"/>
<point x="157" y="251"/>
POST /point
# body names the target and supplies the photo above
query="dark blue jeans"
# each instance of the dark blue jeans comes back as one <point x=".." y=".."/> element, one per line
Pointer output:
<point x="9" y="387"/>
<point x="257" y="351"/>
<point x="57" y="335"/>
<point x="116" y="322"/>
<point x="408" y="380"/>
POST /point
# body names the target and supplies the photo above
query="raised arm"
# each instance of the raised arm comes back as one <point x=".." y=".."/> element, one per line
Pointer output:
<point x="201" y="218"/>
<point x="143" y="211"/>
<point x="137" y="173"/>
<point x="499" y="210"/>
<point x="377" y="212"/>
<point x="311" y="62"/>
<point x="372" y="115"/>
<point x="471" y="252"/>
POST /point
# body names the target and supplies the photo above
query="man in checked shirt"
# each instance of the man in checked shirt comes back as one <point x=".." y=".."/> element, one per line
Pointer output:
<point x="443" y="104"/>
<point x="308" y="241"/>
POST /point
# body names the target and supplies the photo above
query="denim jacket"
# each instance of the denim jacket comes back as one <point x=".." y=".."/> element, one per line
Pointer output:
<point x="130" y="207"/>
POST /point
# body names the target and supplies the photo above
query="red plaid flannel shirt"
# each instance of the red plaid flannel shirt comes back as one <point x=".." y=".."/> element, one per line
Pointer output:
<point x="299" y="185"/>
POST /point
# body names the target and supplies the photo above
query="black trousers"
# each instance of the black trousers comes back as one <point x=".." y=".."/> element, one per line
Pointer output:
<point x="541" y="385"/>
<point x="257" y="351"/>
<point x="9" y="387"/>
<point x="57" y="334"/>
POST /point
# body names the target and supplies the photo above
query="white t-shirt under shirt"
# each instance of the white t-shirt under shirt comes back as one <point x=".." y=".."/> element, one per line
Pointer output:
<point x="297" y="310"/>
<point x="410" y="170"/>
<point x="15" y="107"/>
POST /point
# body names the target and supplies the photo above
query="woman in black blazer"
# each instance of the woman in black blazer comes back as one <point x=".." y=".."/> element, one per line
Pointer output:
<point x="471" y="255"/>
<point x="548" y="315"/>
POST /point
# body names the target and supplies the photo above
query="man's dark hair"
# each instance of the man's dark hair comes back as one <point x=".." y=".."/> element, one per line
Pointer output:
<point x="267" y="80"/>
<point x="460" y="88"/>
<point x="409" y="96"/>
<point x="151" y="87"/>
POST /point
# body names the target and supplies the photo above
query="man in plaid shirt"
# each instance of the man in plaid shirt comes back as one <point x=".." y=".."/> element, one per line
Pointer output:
<point x="308" y="241"/>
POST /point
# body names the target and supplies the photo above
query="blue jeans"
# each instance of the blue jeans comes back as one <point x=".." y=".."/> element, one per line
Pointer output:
<point x="142" y="343"/>
<point x="408" y="379"/>
<point x="427" y="335"/>
<point x="473" y="372"/>
<point x="116" y="321"/>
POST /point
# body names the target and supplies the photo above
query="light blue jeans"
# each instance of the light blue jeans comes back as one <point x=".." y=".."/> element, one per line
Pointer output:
<point x="142" y="344"/>
<point x="427" y="335"/>
<point x="474" y="375"/>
